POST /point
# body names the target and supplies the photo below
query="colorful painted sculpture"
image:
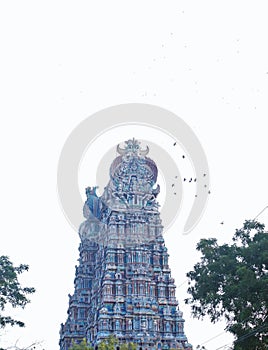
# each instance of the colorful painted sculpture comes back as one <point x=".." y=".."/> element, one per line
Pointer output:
<point x="123" y="283"/>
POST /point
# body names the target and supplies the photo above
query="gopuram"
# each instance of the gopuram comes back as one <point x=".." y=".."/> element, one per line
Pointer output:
<point x="123" y="283"/>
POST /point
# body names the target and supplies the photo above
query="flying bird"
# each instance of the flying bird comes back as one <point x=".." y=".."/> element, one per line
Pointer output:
<point x="190" y="180"/>
<point x="174" y="144"/>
<point x="204" y="174"/>
<point x="175" y="193"/>
<point x="172" y="185"/>
<point x="183" y="156"/>
<point x="195" y="180"/>
<point x="184" y="179"/>
<point x="222" y="223"/>
<point x="209" y="192"/>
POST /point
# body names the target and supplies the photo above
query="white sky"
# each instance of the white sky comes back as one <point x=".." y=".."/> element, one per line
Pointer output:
<point x="61" y="61"/>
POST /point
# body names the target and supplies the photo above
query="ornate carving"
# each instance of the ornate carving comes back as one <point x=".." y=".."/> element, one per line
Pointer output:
<point x="123" y="284"/>
<point x="132" y="149"/>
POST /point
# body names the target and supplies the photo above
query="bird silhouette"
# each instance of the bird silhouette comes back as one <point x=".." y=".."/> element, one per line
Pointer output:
<point x="183" y="156"/>
<point x="174" y="144"/>
<point x="176" y="176"/>
<point x="195" y="180"/>
<point x="184" y="179"/>
<point x="204" y="174"/>
<point x="222" y="223"/>
<point x="175" y="193"/>
<point x="209" y="192"/>
<point x="172" y="185"/>
<point x="190" y="180"/>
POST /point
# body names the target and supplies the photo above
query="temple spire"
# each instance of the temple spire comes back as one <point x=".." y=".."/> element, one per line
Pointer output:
<point x="123" y="283"/>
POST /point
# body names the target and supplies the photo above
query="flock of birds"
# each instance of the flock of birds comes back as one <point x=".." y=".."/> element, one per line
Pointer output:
<point x="190" y="180"/>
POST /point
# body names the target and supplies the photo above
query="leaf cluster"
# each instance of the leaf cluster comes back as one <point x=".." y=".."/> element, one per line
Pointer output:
<point x="231" y="281"/>
<point x="11" y="292"/>
<point x="109" y="344"/>
<point x="81" y="346"/>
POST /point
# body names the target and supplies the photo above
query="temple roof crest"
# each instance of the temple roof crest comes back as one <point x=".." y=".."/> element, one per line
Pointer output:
<point x="132" y="148"/>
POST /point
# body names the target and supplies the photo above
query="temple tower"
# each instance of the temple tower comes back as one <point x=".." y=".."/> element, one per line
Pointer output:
<point x="123" y="283"/>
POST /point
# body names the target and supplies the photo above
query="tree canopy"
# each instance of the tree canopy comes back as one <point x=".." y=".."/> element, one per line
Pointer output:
<point x="109" y="344"/>
<point x="231" y="282"/>
<point x="81" y="346"/>
<point x="11" y="292"/>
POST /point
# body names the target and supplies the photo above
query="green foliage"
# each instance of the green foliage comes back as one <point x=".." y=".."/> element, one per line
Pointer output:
<point x="124" y="346"/>
<point x="128" y="346"/>
<point x="132" y="346"/>
<point x="109" y="344"/>
<point x="81" y="346"/>
<point x="231" y="281"/>
<point x="11" y="291"/>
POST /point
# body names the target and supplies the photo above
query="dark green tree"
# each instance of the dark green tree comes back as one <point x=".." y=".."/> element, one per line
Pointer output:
<point x="231" y="282"/>
<point x="11" y="292"/>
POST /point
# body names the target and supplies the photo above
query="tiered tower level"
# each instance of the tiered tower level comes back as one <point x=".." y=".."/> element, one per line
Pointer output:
<point x="123" y="283"/>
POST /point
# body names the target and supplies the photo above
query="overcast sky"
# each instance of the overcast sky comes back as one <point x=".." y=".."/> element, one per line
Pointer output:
<point x="61" y="61"/>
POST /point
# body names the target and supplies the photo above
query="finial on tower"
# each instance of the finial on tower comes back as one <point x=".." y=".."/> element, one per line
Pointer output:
<point x="132" y="148"/>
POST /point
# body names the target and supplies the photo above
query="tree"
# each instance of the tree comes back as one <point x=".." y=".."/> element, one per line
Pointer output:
<point x="128" y="346"/>
<point x="132" y="346"/>
<point x="231" y="281"/>
<point x="11" y="292"/>
<point x="81" y="346"/>
<point x="110" y="343"/>
<point x="124" y="346"/>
